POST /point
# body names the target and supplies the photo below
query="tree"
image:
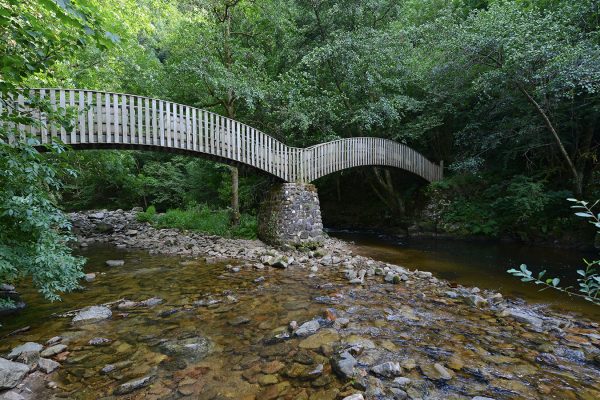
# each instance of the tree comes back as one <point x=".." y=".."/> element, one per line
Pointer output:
<point x="549" y="59"/>
<point x="34" y="233"/>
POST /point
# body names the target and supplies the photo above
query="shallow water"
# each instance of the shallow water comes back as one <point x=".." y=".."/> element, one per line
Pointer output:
<point x="482" y="264"/>
<point x="488" y="356"/>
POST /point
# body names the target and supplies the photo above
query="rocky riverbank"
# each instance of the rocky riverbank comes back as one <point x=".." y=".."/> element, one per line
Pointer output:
<point x="313" y="324"/>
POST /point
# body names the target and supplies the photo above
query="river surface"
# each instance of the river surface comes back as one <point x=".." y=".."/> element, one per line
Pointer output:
<point x="412" y="323"/>
<point x="483" y="264"/>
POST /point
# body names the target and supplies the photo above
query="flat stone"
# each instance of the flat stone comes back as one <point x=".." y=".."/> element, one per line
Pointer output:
<point x="324" y="337"/>
<point x="115" y="263"/>
<point x="92" y="314"/>
<point x="524" y="317"/>
<point x="28" y="347"/>
<point x="47" y="366"/>
<point x="53" y="350"/>
<point x="90" y="277"/>
<point x="11" y="373"/>
<point x="133" y="385"/>
<point x="307" y="328"/>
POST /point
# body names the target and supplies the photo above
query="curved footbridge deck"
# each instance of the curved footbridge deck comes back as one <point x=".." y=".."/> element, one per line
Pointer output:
<point x="122" y="121"/>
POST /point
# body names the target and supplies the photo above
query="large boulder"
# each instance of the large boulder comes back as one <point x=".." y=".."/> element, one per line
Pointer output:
<point x="11" y="373"/>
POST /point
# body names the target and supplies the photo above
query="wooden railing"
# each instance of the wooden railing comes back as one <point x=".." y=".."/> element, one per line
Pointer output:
<point x="115" y="120"/>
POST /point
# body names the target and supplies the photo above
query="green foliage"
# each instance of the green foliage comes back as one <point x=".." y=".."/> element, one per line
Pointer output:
<point x="589" y="283"/>
<point x="35" y="34"/>
<point x="148" y="215"/>
<point x="518" y="206"/>
<point x="34" y="233"/>
<point x="203" y="219"/>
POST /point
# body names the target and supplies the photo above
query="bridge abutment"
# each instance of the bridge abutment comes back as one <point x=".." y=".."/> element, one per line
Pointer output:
<point x="290" y="214"/>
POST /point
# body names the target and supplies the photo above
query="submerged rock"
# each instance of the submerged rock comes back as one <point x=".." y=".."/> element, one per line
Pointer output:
<point x="192" y="349"/>
<point x="115" y="263"/>
<point x="133" y="385"/>
<point x="92" y="314"/>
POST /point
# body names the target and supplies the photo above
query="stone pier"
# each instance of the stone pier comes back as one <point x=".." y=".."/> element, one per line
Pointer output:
<point x="290" y="215"/>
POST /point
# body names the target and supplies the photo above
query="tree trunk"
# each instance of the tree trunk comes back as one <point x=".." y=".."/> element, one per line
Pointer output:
<point x="388" y="194"/>
<point x="235" y="197"/>
<point x="578" y="182"/>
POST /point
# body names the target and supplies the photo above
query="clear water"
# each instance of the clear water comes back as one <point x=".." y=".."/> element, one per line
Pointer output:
<point x="482" y="264"/>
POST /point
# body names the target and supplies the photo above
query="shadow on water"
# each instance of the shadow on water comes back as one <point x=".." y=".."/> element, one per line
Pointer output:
<point x="482" y="264"/>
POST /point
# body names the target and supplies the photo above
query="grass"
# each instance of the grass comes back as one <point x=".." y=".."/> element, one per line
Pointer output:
<point x="202" y="219"/>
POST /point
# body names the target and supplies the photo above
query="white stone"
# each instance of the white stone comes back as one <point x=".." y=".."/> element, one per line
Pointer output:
<point x="92" y="314"/>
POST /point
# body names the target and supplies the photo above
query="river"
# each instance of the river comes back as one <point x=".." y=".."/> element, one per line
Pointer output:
<point x="483" y="264"/>
<point x="213" y="336"/>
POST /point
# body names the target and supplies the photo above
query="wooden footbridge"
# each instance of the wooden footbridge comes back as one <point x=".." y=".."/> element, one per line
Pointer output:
<point x="123" y="121"/>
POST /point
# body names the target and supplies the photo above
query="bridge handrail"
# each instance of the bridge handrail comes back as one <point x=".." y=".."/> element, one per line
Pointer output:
<point x="121" y="120"/>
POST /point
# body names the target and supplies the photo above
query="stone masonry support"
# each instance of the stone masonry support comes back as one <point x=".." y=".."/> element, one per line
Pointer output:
<point x="290" y="215"/>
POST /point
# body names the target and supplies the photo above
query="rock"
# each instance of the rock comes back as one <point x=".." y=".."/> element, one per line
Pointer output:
<point x="322" y="338"/>
<point x="90" y="277"/>
<point x="238" y="320"/>
<point x="388" y="369"/>
<point x="47" y="366"/>
<point x="53" y="340"/>
<point x="11" y="373"/>
<point x="99" y="341"/>
<point x="401" y="382"/>
<point x="280" y="263"/>
<point x="97" y="216"/>
<point x="265" y="380"/>
<point x="524" y="317"/>
<point x="12" y="395"/>
<point x="193" y="349"/>
<point x="481" y="398"/>
<point x="355" y="396"/>
<point x="343" y="365"/>
<point x="307" y="328"/>
<point x="409" y="364"/>
<point x="28" y="347"/>
<point x="452" y="295"/>
<point x="151" y="302"/>
<point x="476" y="300"/>
<point x="115" y="263"/>
<point x="133" y="385"/>
<point x="29" y="358"/>
<point x="92" y="314"/>
<point x="437" y="372"/>
<point x="53" y="350"/>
